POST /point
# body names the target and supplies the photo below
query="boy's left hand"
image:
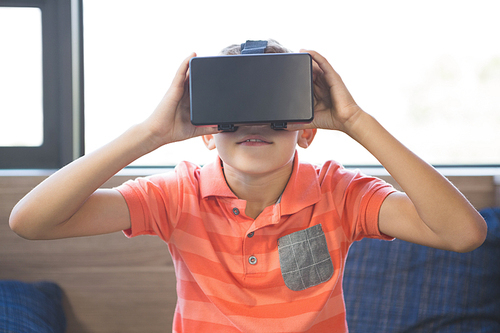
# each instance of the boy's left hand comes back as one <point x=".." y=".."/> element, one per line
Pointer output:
<point x="334" y="107"/>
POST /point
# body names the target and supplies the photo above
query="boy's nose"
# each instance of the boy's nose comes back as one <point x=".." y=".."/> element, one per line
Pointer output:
<point x="256" y="128"/>
<point x="246" y="127"/>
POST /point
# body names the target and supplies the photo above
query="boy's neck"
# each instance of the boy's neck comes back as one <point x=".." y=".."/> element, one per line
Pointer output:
<point x="259" y="190"/>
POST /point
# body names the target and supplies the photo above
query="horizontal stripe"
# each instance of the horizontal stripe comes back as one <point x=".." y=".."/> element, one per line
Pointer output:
<point x="241" y="269"/>
<point x="201" y="312"/>
<point x="276" y="310"/>
<point x="336" y="323"/>
<point x="259" y="297"/>
<point x="198" y="240"/>
<point x="333" y="307"/>
<point x="202" y="266"/>
<point x="187" y="325"/>
<point x="298" y="323"/>
<point x="272" y="319"/>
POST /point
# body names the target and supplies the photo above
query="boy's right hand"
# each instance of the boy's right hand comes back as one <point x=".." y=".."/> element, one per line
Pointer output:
<point x="170" y="122"/>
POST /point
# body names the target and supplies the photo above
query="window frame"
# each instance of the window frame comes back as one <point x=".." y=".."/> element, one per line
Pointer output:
<point x="62" y="85"/>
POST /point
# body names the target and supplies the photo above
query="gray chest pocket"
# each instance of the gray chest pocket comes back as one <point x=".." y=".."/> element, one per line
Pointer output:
<point x="304" y="258"/>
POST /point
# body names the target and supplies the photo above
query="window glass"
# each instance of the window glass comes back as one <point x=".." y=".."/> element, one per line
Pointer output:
<point x="21" y="107"/>
<point x="428" y="70"/>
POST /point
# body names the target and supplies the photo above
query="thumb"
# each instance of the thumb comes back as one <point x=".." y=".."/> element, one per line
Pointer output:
<point x="298" y="127"/>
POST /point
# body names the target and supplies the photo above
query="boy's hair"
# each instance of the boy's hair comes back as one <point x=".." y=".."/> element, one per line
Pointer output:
<point x="272" y="47"/>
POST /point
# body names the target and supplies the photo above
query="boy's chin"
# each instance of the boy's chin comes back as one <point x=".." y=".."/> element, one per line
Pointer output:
<point x="264" y="166"/>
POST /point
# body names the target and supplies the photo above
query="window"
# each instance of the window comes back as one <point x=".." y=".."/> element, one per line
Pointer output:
<point x="40" y="83"/>
<point x="429" y="71"/>
<point x="21" y="77"/>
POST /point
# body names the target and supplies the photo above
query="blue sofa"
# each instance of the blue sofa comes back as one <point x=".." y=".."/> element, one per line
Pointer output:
<point x="403" y="287"/>
<point x="31" y="307"/>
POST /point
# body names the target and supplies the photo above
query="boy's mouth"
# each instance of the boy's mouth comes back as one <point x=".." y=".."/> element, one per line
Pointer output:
<point x="253" y="140"/>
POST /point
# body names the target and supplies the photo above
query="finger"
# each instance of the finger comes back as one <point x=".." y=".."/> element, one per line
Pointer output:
<point x="206" y="130"/>
<point x="178" y="88"/>
<point x="330" y="74"/>
<point x="331" y="77"/>
<point x="298" y="127"/>
<point x="181" y="74"/>
<point x="316" y="70"/>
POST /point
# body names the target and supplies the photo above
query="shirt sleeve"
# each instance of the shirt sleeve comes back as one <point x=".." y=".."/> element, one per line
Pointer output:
<point x="358" y="200"/>
<point x="367" y="222"/>
<point x="154" y="202"/>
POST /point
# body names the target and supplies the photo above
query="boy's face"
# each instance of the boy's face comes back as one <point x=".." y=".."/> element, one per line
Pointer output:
<point x="258" y="149"/>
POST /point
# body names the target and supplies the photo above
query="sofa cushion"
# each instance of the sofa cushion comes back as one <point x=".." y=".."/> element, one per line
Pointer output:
<point x="31" y="307"/>
<point x="402" y="287"/>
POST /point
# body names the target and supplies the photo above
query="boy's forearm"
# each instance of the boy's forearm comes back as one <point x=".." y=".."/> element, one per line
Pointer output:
<point x="438" y="203"/>
<point x="57" y="198"/>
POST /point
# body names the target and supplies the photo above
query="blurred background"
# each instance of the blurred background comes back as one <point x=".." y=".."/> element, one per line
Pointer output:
<point x="429" y="71"/>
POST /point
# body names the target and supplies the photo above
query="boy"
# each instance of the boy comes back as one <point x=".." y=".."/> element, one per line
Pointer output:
<point x="258" y="239"/>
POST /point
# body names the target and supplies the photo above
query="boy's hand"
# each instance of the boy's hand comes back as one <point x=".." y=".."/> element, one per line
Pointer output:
<point x="334" y="107"/>
<point x="170" y="121"/>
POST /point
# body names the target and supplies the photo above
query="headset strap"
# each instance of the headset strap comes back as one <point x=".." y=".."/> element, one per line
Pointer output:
<point x="253" y="46"/>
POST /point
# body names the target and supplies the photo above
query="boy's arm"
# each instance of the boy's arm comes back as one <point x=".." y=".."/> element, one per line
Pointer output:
<point x="432" y="211"/>
<point x="69" y="203"/>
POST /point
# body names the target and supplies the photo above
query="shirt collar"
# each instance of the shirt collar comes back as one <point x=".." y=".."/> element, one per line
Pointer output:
<point x="213" y="182"/>
<point x="303" y="188"/>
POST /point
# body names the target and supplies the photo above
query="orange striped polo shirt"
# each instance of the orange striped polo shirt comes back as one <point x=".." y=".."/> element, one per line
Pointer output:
<point x="281" y="272"/>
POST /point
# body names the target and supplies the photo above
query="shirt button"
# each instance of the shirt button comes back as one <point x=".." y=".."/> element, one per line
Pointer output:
<point x="236" y="211"/>
<point x="250" y="235"/>
<point x="252" y="260"/>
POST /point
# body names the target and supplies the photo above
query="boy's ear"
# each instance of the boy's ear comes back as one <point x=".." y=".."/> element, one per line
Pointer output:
<point x="209" y="141"/>
<point x="306" y="136"/>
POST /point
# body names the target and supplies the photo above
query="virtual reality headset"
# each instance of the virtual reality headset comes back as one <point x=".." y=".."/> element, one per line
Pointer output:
<point x="236" y="90"/>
